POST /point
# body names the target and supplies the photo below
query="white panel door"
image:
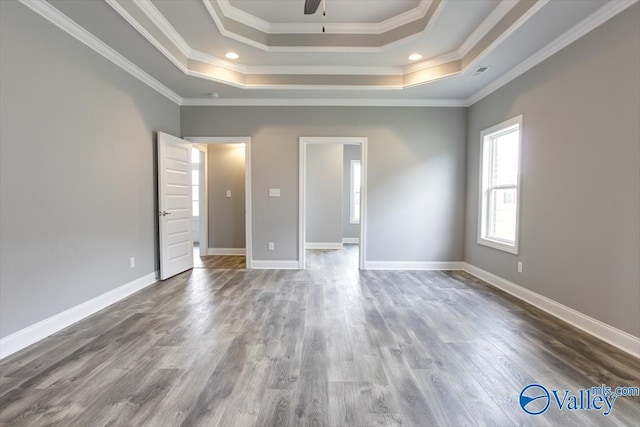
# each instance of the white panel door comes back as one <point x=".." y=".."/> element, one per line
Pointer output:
<point x="174" y="199"/>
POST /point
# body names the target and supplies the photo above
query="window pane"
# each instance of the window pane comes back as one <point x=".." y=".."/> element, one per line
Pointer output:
<point x="356" y="176"/>
<point x="505" y="159"/>
<point x="195" y="194"/>
<point x="355" y="191"/>
<point x="502" y="214"/>
<point x="195" y="155"/>
<point x="195" y="177"/>
<point x="356" y="206"/>
<point x="195" y="209"/>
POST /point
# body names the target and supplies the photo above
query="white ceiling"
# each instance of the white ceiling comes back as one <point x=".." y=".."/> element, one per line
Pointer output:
<point x="343" y="11"/>
<point x="178" y="46"/>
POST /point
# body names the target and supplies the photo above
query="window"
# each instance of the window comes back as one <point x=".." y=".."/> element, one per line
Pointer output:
<point x="354" y="217"/>
<point x="500" y="186"/>
<point x="195" y="181"/>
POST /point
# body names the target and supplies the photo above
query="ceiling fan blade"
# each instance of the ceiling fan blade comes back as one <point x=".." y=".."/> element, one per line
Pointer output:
<point x="311" y="6"/>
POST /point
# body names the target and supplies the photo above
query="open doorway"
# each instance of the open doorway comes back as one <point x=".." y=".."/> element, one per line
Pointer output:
<point x="332" y="202"/>
<point x="224" y="202"/>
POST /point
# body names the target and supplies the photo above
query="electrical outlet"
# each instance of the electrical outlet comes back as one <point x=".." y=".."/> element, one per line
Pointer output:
<point x="272" y="246"/>
<point x="519" y="266"/>
<point x="228" y="193"/>
<point x="132" y="261"/>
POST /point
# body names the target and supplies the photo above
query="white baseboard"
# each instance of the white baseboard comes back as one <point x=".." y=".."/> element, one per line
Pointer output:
<point x="226" y="251"/>
<point x="34" y="333"/>
<point x="274" y="265"/>
<point x="351" y="240"/>
<point x="323" y="245"/>
<point x="413" y="265"/>
<point x="623" y="340"/>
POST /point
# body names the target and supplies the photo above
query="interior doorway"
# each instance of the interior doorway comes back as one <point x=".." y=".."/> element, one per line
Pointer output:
<point x="325" y="230"/>
<point x="221" y="203"/>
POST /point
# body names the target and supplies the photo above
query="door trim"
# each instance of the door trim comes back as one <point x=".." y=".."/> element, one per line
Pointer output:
<point x="246" y="140"/>
<point x="302" y="180"/>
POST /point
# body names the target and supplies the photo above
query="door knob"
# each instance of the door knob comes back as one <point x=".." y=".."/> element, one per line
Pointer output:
<point x="164" y="213"/>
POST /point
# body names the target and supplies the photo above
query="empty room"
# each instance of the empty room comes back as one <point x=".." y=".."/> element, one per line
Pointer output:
<point x="319" y="212"/>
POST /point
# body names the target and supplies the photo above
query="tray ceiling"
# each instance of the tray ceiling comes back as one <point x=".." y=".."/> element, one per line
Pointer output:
<point x="179" y="46"/>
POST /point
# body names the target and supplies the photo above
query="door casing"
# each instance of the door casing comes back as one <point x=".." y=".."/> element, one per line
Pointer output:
<point x="204" y="204"/>
<point x="302" y="180"/>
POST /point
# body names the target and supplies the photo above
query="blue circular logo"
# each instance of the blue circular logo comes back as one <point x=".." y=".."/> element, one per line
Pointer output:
<point x="534" y="399"/>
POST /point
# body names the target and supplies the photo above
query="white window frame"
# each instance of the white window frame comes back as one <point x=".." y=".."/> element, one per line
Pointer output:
<point x="352" y="199"/>
<point x="486" y="137"/>
<point x="195" y="166"/>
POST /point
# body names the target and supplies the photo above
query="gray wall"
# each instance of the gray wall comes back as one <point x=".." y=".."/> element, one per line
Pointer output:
<point x="226" y="215"/>
<point x="324" y="193"/>
<point x="580" y="212"/>
<point x="351" y="152"/>
<point x="416" y="173"/>
<point x="77" y="177"/>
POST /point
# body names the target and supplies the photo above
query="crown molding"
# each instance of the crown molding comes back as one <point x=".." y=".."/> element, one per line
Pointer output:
<point x="143" y="31"/>
<point x="478" y="34"/>
<point x="215" y="79"/>
<point x="191" y="54"/>
<point x="220" y="76"/>
<point x="428" y="27"/>
<point x="317" y="102"/>
<point x="197" y="55"/>
<point x="485" y="26"/>
<point x="322" y="49"/>
<point x="593" y="21"/>
<point x="233" y="13"/>
<point x="323" y="87"/>
<point x="167" y="29"/>
<point x="519" y="22"/>
<point x="430" y="63"/>
<point x="326" y="70"/>
<point x="63" y="22"/>
<point x="405" y="18"/>
<point x="219" y="25"/>
<point x="240" y="15"/>
<point x="215" y="9"/>
<point x="163" y="24"/>
<point x="56" y="17"/>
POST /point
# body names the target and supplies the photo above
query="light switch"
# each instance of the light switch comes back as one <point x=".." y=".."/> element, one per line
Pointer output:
<point x="228" y="193"/>
<point x="274" y="192"/>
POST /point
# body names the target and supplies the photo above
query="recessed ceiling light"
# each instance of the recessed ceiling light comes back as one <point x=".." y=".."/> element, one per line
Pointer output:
<point x="415" y="57"/>
<point x="232" y="55"/>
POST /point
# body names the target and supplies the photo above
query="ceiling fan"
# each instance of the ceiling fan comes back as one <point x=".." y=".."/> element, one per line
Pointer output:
<point x="311" y="6"/>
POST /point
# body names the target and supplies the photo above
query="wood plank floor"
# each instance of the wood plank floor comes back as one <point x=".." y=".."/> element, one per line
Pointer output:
<point x="217" y="261"/>
<point x="328" y="346"/>
<point x="220" y="261"/>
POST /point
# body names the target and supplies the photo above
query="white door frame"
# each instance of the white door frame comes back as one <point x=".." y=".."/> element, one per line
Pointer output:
<point x="302" y="180"/>
<point x="204" y="205"/>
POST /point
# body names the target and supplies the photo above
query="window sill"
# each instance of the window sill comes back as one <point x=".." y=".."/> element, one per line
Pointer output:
<point x="512" y="249"/>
